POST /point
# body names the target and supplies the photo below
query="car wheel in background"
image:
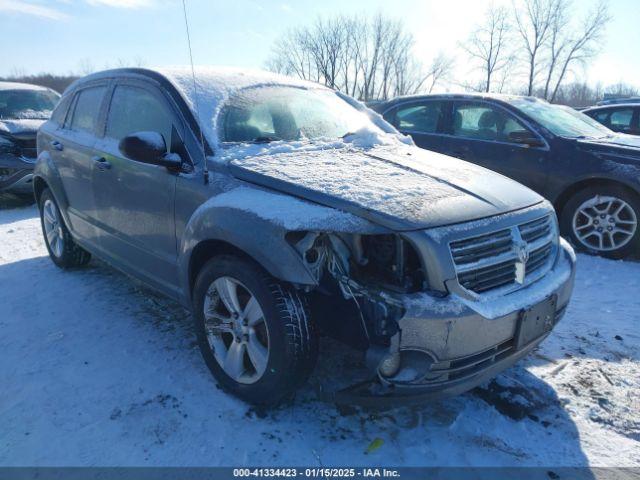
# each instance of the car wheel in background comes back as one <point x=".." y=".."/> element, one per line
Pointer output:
<point x="254" y="332"/>
<point x="603" y="221"/>
<point x="63" y="250"/>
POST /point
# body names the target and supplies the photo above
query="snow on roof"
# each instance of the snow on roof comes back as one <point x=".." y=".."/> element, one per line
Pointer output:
<point x="20" y="86"/>
<point x="214" y="85"/>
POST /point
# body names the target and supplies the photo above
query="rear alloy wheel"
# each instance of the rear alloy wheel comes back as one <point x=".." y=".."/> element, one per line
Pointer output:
<point x="254" y="332"/>
<point x="52" y="228"/>
<point x="604" y="221"/>
<point x="62" y="249"/>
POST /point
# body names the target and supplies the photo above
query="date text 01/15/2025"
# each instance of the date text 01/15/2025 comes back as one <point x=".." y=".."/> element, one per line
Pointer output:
<point x="316" y="472"/>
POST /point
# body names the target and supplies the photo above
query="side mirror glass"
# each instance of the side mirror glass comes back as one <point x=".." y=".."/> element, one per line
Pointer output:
<point x="148" y="147"/>
<point x="524" y="137"/>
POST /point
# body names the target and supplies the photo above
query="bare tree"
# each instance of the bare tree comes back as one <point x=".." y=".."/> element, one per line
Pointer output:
<point x="568" y="45"/>
<point x="488" y="44"/>
<point x="621" y="89"/>
<point x="85" y="66"/>
<point x="534" y="19"/>
<point x="364" y="57"/>
<point x="439" y="70"/>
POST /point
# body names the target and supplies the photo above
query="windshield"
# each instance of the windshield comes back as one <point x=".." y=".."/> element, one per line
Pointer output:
<point x="268" y="114"/>
<point x="560" y="120"/>
<point x="27" y="104"/>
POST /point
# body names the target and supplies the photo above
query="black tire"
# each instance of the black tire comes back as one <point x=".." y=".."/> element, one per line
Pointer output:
<point x="632" y="247"/>
<point x="71" y="255"/>
<point x="293" y="338"/>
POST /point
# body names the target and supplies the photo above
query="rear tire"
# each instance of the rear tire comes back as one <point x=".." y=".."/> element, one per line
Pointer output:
<point x="604" y="221"/>
<point x="278" y="326"/>
<point x="62" y="248"/>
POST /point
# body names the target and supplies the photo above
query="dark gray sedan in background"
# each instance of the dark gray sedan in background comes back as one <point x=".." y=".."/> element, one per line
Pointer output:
<point x="23" y="108"/>
<point x="277" y="209"/>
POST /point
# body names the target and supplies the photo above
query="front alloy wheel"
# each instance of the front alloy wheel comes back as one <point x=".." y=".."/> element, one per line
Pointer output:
<point x="605" y="223"/>
<point x="254" y="331"/>
<point x="236" y="330"/>
<point x="603" y="220"/>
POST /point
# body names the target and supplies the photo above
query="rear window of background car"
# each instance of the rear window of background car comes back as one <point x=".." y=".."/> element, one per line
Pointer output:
<point x="422" y="118"/>
<point x="621" y="118"/>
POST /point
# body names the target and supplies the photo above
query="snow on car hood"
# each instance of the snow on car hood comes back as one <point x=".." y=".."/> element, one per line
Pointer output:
<point x="20" y="127"/>
<point x="620" y="140"/>
<point x="396" y="186"/>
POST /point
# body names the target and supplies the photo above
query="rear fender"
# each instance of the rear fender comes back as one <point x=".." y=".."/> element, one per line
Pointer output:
<point x="47" y="172"/>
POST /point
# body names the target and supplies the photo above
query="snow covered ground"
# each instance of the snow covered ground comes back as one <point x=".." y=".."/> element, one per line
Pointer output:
<point x="96" y="370"/>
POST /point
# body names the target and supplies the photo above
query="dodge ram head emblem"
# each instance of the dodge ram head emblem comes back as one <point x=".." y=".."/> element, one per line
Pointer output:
<point x="522" y="253"/>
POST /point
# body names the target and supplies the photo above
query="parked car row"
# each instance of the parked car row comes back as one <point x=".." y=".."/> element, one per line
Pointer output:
<point x="277" y="209"/>
<point x="590" y="174"/>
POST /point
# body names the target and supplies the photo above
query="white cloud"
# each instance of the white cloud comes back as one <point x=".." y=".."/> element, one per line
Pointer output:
<point x="26" y="8"/>
<point x="122" y="3"/>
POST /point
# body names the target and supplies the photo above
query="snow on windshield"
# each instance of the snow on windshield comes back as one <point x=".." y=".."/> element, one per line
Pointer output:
<point x="215" y="86"/>
<point x="27" y="104"/>
<point x="558" y="120"/>
<point x="288" y="113"/>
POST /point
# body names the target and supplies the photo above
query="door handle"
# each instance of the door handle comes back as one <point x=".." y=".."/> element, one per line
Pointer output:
<point x="101" y="162"/>
<point x="57" y="145"/>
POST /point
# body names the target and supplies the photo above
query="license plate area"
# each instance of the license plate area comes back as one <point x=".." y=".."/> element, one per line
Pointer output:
<point x="536" y="321"/>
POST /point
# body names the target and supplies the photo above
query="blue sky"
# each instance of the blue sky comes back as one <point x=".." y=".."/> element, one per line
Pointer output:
<point x="63" y="36"/>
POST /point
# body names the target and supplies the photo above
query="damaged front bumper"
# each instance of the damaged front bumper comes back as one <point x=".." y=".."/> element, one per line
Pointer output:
<point x="449" y="345"/>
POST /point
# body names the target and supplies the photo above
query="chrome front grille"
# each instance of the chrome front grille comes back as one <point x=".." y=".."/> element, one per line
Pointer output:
<point x="507" y="258"/>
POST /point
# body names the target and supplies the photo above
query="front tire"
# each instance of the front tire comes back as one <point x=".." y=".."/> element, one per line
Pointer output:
<point x="63" y="250"/>
<point x="603" y="221"/>
<point x="254" y="332"/>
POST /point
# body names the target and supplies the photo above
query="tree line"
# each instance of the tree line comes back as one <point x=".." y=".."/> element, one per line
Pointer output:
<point x="532" y="47"/>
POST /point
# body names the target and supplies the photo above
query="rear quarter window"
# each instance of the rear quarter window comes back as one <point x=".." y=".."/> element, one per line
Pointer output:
<point x="60" y="112"/>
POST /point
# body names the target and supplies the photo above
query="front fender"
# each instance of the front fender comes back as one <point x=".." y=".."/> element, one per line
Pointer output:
<point x="256" y="222"/>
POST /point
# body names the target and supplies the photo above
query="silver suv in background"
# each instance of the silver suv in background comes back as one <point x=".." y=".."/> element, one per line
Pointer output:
<point x="23" y="108"/>
<point x="277" y="209"/>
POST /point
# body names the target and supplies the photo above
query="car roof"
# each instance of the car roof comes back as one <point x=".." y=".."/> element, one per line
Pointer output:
<point x="21" y="86"/>
<point x="612" y="106"/>
<point x="212" y="87"/>
<point x="502" y="97"/>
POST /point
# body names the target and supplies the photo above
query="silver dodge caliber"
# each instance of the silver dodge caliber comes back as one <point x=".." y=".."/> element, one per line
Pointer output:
<point x="277" y="210"/>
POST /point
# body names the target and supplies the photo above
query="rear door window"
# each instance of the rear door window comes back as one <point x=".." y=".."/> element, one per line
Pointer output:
<point x="87" y="109"/>
<point x="620" y="120"/>
<point x="420" y="118"/>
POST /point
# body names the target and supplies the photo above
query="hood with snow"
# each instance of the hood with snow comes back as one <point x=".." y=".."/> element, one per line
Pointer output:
<point x="20" y="128"/>
<point x="393" y="185"/>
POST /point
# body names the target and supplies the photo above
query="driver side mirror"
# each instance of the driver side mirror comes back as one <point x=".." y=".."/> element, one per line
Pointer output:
<point x="148" y="147"/>
<point x="524" y="137"/>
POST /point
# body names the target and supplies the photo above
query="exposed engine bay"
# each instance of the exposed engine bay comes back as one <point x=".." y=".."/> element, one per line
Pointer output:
<point x="360" y="279"/>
